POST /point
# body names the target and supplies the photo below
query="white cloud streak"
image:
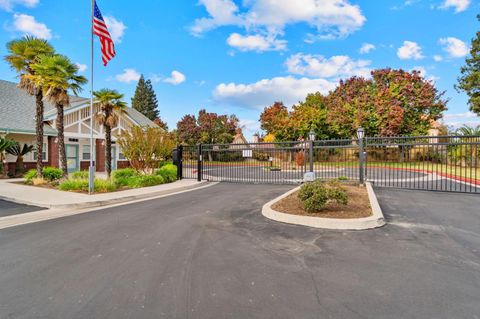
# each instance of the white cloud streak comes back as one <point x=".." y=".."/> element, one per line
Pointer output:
<point x="455" y="48"/>
<point x="29" y="25"/>
<point x="128" y="76"/>
<point x="410" y="50"/>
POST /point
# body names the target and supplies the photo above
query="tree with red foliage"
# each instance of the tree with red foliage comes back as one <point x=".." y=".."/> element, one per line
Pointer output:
<point x="207" y="128"/>
<point x="392" y="102"/>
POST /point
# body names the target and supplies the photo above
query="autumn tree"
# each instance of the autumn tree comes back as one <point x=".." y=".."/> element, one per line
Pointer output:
<point x="392" y="102"/>
<point x="275" y="120"/>
<point x="469" y="81"/>
<point x="207" y="128"/>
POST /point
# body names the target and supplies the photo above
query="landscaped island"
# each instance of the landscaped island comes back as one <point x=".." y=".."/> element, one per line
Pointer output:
<point x="121" y="179"/>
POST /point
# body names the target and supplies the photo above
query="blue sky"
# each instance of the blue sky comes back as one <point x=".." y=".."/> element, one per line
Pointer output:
<point x="240" y="56"/>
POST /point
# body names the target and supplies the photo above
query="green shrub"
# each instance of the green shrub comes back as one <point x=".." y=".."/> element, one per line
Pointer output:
<point x="316" y="195"/>
<point x="79" y="175"/>
<point x="145" y="181"/>
<point x="52" y="173"/>
<point x="168" y="172"/>
<point x="99" y="185"/>
<point x="30" y="175"/>
<point x="343" y="178"/>
<point x="74" y="185"/>
<point x="124" y="173"/>
<point x="163" y="163"/>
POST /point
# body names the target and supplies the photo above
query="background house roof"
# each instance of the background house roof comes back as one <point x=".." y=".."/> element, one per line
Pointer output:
<point x="17" y="111"/>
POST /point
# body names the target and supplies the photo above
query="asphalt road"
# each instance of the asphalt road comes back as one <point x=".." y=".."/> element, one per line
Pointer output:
<point x="9" y="208"/>
<point x="210" y="254"/>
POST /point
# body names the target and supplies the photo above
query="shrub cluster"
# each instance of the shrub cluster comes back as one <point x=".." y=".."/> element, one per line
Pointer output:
<point x="51" y="174"/>
<point x="129" y="177"/>
<point x="168" y="172"/>
<point x="79" y="184"/>
<point x="316" y="195"/>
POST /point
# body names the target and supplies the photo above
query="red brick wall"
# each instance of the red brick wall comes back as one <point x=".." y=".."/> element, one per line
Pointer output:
<point x="123" y="164"/>
<point x="53" y="159"/>
<point x="100" y="152"/>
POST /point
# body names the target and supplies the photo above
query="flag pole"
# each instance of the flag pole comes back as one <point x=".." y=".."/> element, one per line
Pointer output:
<point x="91" y="170"/>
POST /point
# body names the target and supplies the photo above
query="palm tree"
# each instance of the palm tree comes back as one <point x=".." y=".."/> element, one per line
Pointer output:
<point x="22" y="54"/>
<point x="4" y="145"/>
<point x="111" y="104"/>
<point x="469" y="130"/>
<point x="56" y="75"/>
<point x="16" y="150"/>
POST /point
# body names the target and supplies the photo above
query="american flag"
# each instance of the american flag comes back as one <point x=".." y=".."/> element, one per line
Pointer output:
<point x="100" y="29"/>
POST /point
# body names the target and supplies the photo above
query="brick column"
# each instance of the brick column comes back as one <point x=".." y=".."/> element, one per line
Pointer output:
<point x="53" y="157"/>
<point x="100" y="156"/>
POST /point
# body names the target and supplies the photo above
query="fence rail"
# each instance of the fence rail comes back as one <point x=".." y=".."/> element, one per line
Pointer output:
<point x="441" y="163"/>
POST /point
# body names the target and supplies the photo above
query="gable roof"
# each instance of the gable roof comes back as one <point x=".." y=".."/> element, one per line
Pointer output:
<point x="17" y="111"/>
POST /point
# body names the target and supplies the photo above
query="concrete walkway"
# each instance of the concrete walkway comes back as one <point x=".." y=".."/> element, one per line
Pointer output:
<point x="13" y="191"/>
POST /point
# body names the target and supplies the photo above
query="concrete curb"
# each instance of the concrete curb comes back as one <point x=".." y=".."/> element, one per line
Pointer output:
<point x="374" y="221"/>
<point x="105" y="202"/>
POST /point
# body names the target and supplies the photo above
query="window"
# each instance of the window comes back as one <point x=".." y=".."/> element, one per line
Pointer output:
<point x="121" y="156"/>
<point x="44" y="153"/>
<point x="86" y="152"/>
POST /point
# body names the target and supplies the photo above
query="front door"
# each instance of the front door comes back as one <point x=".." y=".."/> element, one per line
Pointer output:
<point x="72" y="157"/>
<point x="114" y="158"/>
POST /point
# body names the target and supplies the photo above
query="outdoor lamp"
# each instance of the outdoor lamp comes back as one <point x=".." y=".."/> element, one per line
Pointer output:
<point x="360" y="133"/>
<point x="311" y="135"/>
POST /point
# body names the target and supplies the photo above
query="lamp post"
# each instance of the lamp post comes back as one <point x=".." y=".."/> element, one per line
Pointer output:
<point x="361" y="155"/>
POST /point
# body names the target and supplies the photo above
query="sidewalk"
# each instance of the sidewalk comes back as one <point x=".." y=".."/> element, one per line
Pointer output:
<point x="51" y="198"/>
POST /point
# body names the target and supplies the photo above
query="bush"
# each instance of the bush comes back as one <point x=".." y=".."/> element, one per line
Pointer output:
<point x="168" y="172"/>
<point x="163" y="163"/>
<point x="124" y="173"/>
<point x="145" y="181"/>
<point x="99" y="185"/>
<point x="260" y="156"/>
<point x="316" y="195"/>
<point x="30" y="175"/>
<point x="79" y="175"/>
<point x="52" y="173"/>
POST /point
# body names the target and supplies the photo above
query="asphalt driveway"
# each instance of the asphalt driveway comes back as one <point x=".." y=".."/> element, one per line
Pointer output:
<point x="211" y="254"/>
<point x="8" y="208"/>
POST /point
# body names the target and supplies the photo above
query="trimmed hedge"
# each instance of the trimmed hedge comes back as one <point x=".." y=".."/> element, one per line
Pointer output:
<point x="50" y="174"/>
<point x="99" y="185"/>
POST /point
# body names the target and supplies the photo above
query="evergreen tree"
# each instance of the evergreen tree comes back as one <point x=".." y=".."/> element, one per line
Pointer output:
<point x="145" y="100"/>
<point x="469" y="81"/>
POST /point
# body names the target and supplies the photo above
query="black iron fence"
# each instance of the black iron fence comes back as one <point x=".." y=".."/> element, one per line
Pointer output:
<point x="443" y="163"/>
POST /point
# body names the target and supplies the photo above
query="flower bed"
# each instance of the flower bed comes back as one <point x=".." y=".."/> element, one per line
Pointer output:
<point x="121" y="179"/>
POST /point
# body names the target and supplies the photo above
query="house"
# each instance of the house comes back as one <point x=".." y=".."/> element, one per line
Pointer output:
<point x="17" y="122"/>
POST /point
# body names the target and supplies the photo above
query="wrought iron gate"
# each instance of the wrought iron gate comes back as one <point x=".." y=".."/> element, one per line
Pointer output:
<point x="444" y="163"/>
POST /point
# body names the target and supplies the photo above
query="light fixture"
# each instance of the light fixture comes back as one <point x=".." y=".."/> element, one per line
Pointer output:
<point x="360" y="133"/>
<point x="312" y="135"/>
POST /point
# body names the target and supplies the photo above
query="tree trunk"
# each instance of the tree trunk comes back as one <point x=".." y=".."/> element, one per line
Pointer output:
<point x="61" y="140"/>
<point x="108" y="150"/>
<point x="39" y="131"/>
<point x="19" y="166"/>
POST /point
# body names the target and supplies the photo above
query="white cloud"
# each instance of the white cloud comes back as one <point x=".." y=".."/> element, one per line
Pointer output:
<point x="366" y="48"/>
<point x="331" y="18"/>
<point x="28" y="25"/>
<point x="410" y="50"/>
<point x="437" y="58"/>
<point x="249" y="126"/>
<point x="468" y="114"/>
<point x="257" y="95"/>
<point x="256" y="42"/>
<point x="175" y="78"/>
<point x="81" y="67"/>
<point x="116" y="28"/>
<point x="456" y="48"/>
<point x="9" y="4"/>
<point x="128" y="75"/>
<point x="319" y="66"/>
<point x="424" y="73"/>
<point x="459" y="5"/>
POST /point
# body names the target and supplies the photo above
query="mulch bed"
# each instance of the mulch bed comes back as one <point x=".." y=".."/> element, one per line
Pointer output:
<point x="358" y="205"/>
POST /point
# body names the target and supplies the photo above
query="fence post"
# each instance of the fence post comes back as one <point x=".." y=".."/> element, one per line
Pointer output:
<point x="361" y="155"/>
<point x="180" y="162"/>
<point x="199" y="162"/>
<point x="311" y="155"/>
